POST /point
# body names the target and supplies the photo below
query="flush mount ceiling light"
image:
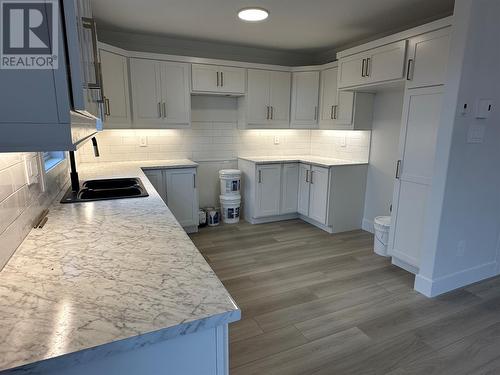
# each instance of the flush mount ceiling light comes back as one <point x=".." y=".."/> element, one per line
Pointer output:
<point x="253" y="14"/>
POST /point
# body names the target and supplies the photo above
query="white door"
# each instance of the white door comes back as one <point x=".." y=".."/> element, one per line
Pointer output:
<point x="155" y="176"/>
<point x="421" y="114"/>
<point x="305" y="97"/>
<point x="290" y="188"/>
<point x="182" y="195"/>
<point x="386" y="63"/>
<point x="232" y="80"/>
<point x="258" y="96"/>
<point x="268" y="193"/>
<point x="329" y="95"/>
<point x="205" y="78"/>
<point x="351" y="70"/>
<point x="428" y="56"/>
<point x="304" y="188"/>
<point x="146" y="91"/>
<point x="176" y="99"/>
<point x="116" y="91"/>
<point x="279" y="97"/>
<point x="318" y="201"/>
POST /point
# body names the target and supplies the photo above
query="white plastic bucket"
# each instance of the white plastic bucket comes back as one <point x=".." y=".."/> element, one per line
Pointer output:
<point x="230" y="207"/>
<point x="382" y="225"/>
<point x="230" y="180"/>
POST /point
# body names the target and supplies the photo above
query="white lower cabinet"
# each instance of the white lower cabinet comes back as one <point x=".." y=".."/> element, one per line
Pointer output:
<point x="177" y="187"/>
<point x="330" y="198"/>
<point x="268" y="190"/>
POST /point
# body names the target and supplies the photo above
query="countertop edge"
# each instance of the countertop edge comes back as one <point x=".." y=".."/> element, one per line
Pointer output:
<point x="300" y="160"/>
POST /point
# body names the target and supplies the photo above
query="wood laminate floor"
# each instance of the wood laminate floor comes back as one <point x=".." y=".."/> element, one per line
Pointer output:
<point x="315" y="303"/>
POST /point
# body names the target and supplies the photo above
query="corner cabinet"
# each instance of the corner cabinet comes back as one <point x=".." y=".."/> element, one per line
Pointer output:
<point x="160" y="94"/>
<point x="178" y="188"/>
<point x="343" y="110"/>
<point x="381" y="64"/>
<point x="116" y="90"/>
<point x="331" y="198"/>
<point x="214" y="79"/>
<point x="305" y="100"/>
<point x="267" y="102"/>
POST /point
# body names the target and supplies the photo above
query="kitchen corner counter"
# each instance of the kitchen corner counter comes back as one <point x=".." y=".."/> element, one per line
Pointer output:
<point x="104" y="277"/>
<point x="308" y="159"/>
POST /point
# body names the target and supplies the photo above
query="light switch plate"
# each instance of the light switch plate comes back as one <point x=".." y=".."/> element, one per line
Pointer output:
<point x="475" y="134"/>
<point x="143" y="141"/>
<point x="343" y="142"/>
<point x="276" y="140"/>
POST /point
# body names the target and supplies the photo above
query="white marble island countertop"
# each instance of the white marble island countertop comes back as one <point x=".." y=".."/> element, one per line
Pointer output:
<point x="104" y="277"/>
<point x="309" y="159"/>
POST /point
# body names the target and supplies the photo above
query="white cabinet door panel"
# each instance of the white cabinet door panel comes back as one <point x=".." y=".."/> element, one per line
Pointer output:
<point x="204" y="77"/>
<point x="182" y="196"/>
<point x="305" y="99"/>
<point x="329" y="94"/>
<point x="304" y="188"/>
<point x="268" y="193"/>
<point x="318" y="201"/>
<point x="146" y="91"/>
<point x="279" y="96"/>
<point x="116" y="89"/>
<point x="290" y="188"/>
<point x="429" y="59"/>
<point x="387" y="62"/>
<point x="421" y="116"/>
<point x="351" y="70"/>
<point x="175" y="92"/>
<point x="258" y="96"/>
<point x="232" y="80"/>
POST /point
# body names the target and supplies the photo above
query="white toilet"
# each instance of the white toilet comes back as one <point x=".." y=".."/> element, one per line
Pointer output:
<point x="382" y="225"/>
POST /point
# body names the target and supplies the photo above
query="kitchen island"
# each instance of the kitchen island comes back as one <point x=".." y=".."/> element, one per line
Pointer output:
<point x="113" y="287"/>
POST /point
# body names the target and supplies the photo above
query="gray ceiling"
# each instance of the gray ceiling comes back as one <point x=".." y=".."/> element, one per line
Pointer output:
<point x="293" y="25"/>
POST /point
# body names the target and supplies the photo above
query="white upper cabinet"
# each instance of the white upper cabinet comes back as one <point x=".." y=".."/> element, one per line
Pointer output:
<point x="217" y="79"/>
<point x="343" y="110"/>
<point x="381" y="64"/>
<point x="160" y="93"/>
<point x="428" y="59"/>
<point x="115" y="89"/>
<point x="267" y="103"/>
<point x="305" y="100"/>
<point x="329" y="100"/>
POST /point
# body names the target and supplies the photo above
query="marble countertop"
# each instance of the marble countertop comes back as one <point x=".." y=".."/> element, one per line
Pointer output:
<point x="309" y="159"/>
<point x="106" y="276"/>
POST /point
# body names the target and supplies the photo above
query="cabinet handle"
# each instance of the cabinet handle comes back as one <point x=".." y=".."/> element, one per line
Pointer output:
<point x="307" y="175"/>
<point x="217" y="79"/>
<point x="335" y="112"/>
<point x="194" y="181"/>
<point x="315" y="113"/>
<point x="260" y="176"/>
<point x="312" y="177"/>
<point x="164" y="105"/>
<point x="398" y="169"/>
<point x="107" y="109"/>
<point x="267" y="115"/>
<point x="331" y="112"/>
<point x="222" y="79"/>
<point x="272" y="113"/>
<point x="363" y="68"/>
<point x="408" y="69"/>
<point x="159" y="109"/>
<point x="367" y="67"/>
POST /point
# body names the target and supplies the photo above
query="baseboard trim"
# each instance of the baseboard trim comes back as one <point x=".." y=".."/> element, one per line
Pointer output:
<point x="432" y="288"/>
<point x="367" y="225"/>
<point x="271" y="219"/>
<point x="316" y="224"/>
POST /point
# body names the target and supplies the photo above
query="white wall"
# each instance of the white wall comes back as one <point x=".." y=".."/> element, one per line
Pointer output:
<point x="215" y="142"/>
<point x="464" y="205"/>
<point x="21" y="203"/>
<point x="388" y="106"/>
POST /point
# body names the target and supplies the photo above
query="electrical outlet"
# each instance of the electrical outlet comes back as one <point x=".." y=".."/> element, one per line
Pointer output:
<point x="461" y="248"/>
<point x="143" y="141"/>
<point x="276" y="140"/>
